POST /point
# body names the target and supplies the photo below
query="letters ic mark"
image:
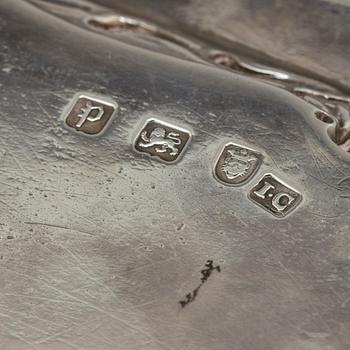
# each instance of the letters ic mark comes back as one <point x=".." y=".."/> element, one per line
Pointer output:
<point x="275" y="196"/>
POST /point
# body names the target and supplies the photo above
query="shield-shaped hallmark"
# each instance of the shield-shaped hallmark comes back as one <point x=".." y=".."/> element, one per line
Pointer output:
<point x="236" y="164"/>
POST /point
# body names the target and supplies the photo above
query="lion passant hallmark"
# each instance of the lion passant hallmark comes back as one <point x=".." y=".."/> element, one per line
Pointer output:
<point x="165" y="141"/>
<point x="235" y="165"/>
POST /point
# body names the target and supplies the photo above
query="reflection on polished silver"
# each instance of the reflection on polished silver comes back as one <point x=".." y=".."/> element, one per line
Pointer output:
<point x="275" y="196"/>
<point x="162" y="140"/>
<point x="89" y="114"/>
<point x="237" y="164"/>
<point x="100" y="246"/>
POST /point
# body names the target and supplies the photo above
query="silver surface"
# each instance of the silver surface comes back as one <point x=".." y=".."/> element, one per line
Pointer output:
<point x="308" y="36"/>
<point x="100" y="244"/>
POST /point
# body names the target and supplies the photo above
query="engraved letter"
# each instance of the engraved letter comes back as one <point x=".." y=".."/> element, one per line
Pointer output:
<point x="262" y="192"/>
<point x="276" y="202"/>
<point x="86" y="114"/>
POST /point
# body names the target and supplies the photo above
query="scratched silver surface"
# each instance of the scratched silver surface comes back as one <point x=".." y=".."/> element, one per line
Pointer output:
<point x="99" y="243"/>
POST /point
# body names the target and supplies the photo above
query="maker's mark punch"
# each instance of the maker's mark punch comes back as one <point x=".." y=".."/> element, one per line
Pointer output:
<point x="275" y="196"/>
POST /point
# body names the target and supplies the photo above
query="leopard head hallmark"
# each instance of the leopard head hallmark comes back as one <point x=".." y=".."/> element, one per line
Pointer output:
<point x="237" y="164"/>
<point x="162" y="140"/>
